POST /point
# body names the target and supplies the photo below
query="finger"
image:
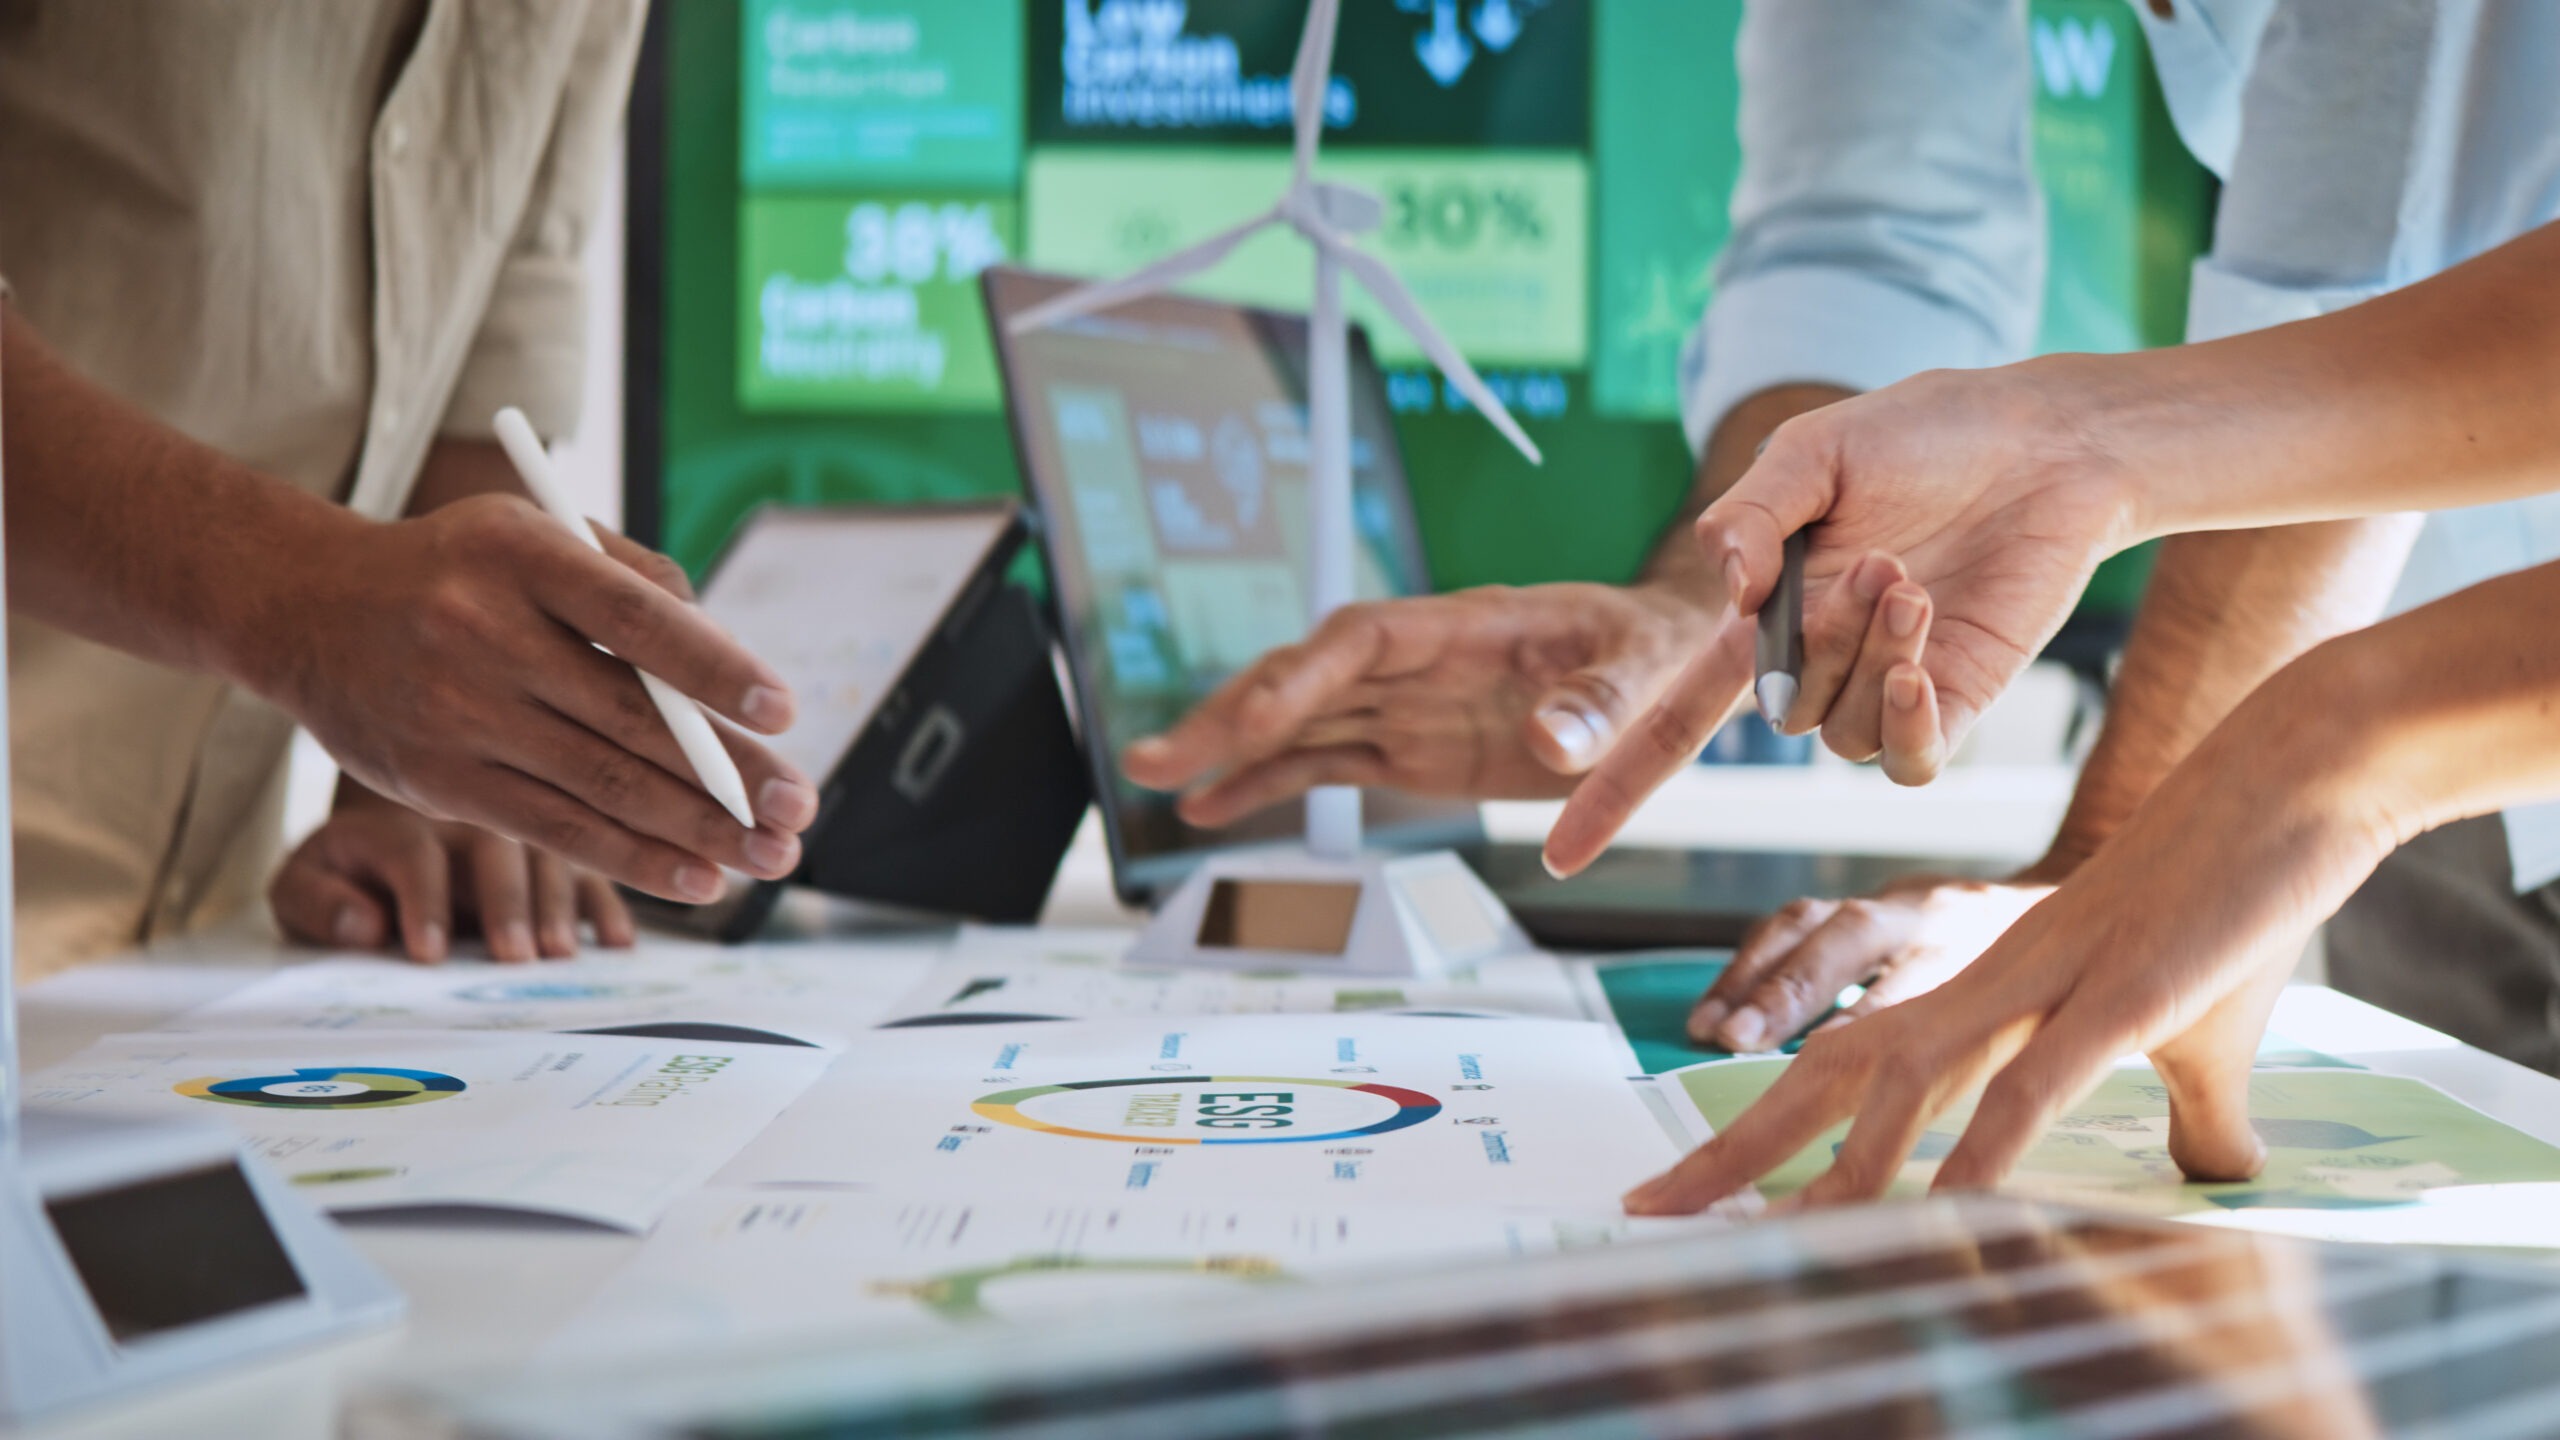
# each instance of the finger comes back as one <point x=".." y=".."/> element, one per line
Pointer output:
<point x="1897" y="630"/>
<point x="317" y="906"/>
<point x="1905" y="979"/>
<point x="657" y="569"/>
<point x="1915" y="747"/>
<point x="1833" y="635"/>
<point x="555" y="906"/>
<point x="412" y="864"/>
<point x="1235" y="796"/>
<point x="1763" y="946"/>
<point x="1809" y="1098"/>
<point x="1891" y="1116"/>
<point x="608" y="603"/>
<point x="1256" y="713"/>
<point x="1667" y="738"/>
<point x="644" y="797"/>
<point x="1791" y="485"/>
<point x="2062" y="1062"/>
<point x="1847" y="949"/>
<point x="605" y="909"/>
<point x="502" y="893"/>
<point x="1582" y="715"/>
<point x="2206" y="1072"/>
<point x="603" y="695"/>
<point x="543" y="815"/>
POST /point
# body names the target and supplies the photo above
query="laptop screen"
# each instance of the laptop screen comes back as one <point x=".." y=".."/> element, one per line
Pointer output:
<point x="1164" y="445"/>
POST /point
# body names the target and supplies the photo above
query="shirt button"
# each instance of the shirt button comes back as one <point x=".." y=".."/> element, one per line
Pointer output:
<point x="387" y="417"/>
<point x="396" y="139"/>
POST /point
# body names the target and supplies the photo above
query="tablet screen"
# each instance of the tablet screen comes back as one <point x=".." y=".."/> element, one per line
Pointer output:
<point x="839" y="601"/>
<point x="1165" y="444"/>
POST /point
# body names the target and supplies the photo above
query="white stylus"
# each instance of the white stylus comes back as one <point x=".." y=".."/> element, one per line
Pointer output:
<point x="692" y="728"/>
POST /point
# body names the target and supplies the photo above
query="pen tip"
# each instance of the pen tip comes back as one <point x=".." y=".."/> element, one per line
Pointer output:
<point x="1777" y="693"/>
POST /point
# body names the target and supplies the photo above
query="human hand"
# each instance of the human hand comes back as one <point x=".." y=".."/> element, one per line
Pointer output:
<point x="1954" y="520"/>
<point x="1904" y="940"/>
<point x="448" y="662"/>
<point x="377" y="871"/>
<point x="2172" y="941"/>
<point x="1493" y="692"/>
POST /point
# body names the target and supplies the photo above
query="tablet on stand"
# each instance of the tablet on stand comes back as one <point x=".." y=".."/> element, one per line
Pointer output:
<point x="950" y="777"/>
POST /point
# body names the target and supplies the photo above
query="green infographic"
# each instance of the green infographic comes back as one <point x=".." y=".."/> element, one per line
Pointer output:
<point x="2350" y="1154"/>
<point x="1554" y="177"/>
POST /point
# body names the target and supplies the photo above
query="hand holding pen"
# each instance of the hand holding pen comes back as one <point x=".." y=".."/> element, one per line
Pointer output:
<point x="457" y="662"/>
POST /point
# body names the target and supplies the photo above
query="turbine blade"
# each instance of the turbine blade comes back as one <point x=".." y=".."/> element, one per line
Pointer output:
<point x="1308" y="80"/>
<point x="1164" y="274"/>
<point x="1378" y="280"/>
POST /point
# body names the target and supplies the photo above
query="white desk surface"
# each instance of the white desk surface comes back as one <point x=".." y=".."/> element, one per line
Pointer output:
<point x="483" y="1294"/>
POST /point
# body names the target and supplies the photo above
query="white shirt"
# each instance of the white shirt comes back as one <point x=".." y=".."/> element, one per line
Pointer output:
<point x="1887" y="219"/>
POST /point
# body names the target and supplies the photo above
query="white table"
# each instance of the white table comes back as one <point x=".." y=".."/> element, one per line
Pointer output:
<point x="483" y="1294"/>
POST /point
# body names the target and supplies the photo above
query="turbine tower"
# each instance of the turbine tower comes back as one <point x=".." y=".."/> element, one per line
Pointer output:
<point x="1328" y="215"/>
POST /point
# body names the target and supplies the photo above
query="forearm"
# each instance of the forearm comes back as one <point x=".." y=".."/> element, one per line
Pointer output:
<point x="2449" y="711"/>
<point x="126" y="532"/>
<point x="2434" y="396"/>
<point x="1676" y="561"/>
<point x="2224" y="610"/>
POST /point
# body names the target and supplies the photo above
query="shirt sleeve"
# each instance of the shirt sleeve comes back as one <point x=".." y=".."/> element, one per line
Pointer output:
<point x="530" y="350"/>
<point x="1886" y="219"/>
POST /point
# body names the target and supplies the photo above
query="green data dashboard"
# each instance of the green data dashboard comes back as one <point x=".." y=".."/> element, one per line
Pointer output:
<point x="817" y="183"/>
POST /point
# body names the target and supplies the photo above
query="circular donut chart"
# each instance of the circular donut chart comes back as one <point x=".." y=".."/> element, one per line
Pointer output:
<point x="326" y="1087"/>
<point x="1059" y="1109"/>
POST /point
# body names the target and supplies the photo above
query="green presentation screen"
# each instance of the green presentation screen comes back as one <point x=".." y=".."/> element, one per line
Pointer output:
<point x="817" y="183"/>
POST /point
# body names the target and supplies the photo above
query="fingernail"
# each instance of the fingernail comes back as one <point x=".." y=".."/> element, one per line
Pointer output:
<point x="561" y="940"/>
<point x="771" y="855"/>
<point x="1903" y="689"/>
<point x="1734" y="576"/>
<point x="1873" y="575"/>
<point x="1902" y="615"/>
<point x="514" y="941"/>
<point x="1548" y="863"/>
<point x="431" y="940"/>
<point x="1743" y="1030"/>
<point x="1643" y="1196"/>
<point x="787" y="802"/>
<point x="1574" y="734"/>
<point x="766" y="708"/>
<point x="697" y="883"/>
<point x="1704" y="1020"/>
<point x="348" y="928"/>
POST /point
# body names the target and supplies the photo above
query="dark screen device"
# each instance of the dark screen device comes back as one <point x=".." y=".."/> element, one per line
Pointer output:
<point x="928" y="700"/>
<point x="1163" y="443"/>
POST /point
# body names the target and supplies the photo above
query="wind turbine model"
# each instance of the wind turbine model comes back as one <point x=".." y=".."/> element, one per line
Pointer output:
<point x="1370" y="914"/>
<point x="135" y="1254"/>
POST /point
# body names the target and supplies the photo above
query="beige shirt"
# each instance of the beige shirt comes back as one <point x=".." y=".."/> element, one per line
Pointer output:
<point x="314" y="234"/>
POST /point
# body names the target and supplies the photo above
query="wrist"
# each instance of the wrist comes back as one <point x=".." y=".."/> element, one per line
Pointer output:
<point x="261" y="588"/>
<point x="1686" y="604"/>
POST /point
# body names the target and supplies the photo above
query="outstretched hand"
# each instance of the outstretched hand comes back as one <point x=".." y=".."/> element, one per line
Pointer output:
<point x="1953" y="520"/>
<point x="2173" y="942"/>
<point x="1494" y="692"/>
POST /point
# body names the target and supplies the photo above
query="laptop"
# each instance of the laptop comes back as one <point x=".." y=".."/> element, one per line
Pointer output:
<point x="1163" y="450"/>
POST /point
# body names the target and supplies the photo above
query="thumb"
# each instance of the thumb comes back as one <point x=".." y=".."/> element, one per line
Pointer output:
<point x="1579" y="717"/>
<point x="1792" y="484"/>
<point x="2206" y="1071"/>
